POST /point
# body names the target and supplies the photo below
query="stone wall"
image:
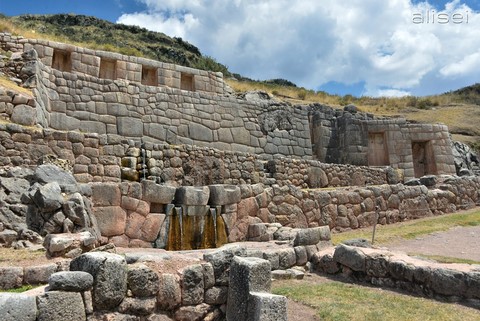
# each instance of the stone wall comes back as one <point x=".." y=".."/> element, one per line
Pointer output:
<point x="452" y="282"/>
<point x="349" y="137"/>
<point x="355" y="207"/>
<point x="102" y="285"/>
<point x="81" y="99"/>
<point x="109" y="65"/>
<point x="110" y="158"/>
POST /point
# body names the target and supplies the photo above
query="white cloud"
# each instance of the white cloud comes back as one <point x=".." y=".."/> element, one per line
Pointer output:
<point x="313" y="42"/>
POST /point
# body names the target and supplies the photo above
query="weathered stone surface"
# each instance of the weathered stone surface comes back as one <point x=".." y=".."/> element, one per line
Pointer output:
<point x="48" y="197"/>
<point x="193" y="285"/>
<point x="159" y="317"/>
<point x="325" y="263"/>
<point x="38" y="274"/>
<point x="130" y="127"/>
<point x="137" y="306"/>
<point x="109" y="273"/>
<point x="48" y="173"/>
<point x="65" y="243"/>
<point x="216" y="295"/>
<point x="448" y="282"/>
<point x="111" y="220"/>
<point x="74" y="281"/>
<point x="60" y="306"/>
<point x="272" y="257"/>
<point x="246" y="275"/>
<point x="170" y="294"/>
<point x="286" y="258"/>
<point x="17" y="307"/>
<point x="106" y="194"/>
<point x="428" y="180"/>
<point x="267" y="307"/>
<point x="301" y="255"/>
<point x="24" y="115"/>
<point x="192" y="195"/>
<point x="208" y="275"/>
<point x="11" y="277"/>
<point x="142" y="280"/>
<point x="317" y="178"/>
<point x="350" y="257"/>
<point x="7" y="237"/>
<point x="192" y="313"/>
<point x="156" y="193"/>
<point x="221" y="194"/>
<point x="221" y="260"/>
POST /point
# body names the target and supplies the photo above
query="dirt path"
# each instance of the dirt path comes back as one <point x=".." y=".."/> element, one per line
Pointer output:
<point x="458" y="242"/>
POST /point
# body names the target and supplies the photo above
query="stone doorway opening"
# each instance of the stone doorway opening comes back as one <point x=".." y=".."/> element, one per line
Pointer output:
<point x="423" y="158"/>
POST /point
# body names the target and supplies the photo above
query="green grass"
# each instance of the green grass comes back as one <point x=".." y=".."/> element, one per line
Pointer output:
<point x="445" y="259"/>
<point x="340" y="301"/>
<point x="21" y="289"/>
<point x="411" y="229"/>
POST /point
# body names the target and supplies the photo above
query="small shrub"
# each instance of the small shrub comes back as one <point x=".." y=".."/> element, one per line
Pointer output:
<point x="302" y="94"/>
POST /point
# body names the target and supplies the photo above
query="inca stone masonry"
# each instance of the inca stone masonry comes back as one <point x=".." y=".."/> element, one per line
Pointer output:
<point x="150" y="101"/>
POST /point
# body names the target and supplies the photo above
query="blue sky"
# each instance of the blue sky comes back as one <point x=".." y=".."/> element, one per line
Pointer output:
<point x="359" y="47"/>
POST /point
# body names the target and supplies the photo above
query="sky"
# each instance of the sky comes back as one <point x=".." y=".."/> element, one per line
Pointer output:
<point x="359" y="47"/>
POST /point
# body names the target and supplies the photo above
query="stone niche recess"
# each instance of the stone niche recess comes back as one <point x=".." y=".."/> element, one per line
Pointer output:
<point x="62" y="60"/>
<point x="108" y="69"/>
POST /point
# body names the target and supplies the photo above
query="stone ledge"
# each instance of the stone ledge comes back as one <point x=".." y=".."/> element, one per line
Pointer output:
<point x="456" y="282"/>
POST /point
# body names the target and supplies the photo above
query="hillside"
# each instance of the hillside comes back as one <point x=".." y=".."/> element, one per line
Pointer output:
<point x="100" y="34"/>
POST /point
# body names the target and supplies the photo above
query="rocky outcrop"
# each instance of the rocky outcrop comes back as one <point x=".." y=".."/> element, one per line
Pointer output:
<point x="43" y="201"/>
<point x="466" y="160"/>
<point x="57" y="204"/>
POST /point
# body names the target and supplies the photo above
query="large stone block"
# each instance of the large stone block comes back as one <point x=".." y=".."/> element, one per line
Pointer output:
<point x="111" y="220"/>
<point x="11" y="277"/>
<point x="192" y="195"/>
<point x="221" y="260"/>
<point x="142" y="281"/>
<point x="74" y="281"/>
<point x="156" y="193"/>
<point x="200" y="132"/>
<point x="193" y="285"/>
<point x="48" y="197"/>
<point x="24" y="115"/>
<point x="106" y="194"/>
<point x="130" y="127"/>
<point x="17" y="307"/>
<point x="61" y="306"/>
<point x="64" y="243"/>
<point x="170" y="294"/>
<point x="246" y="275"/>
<point x="109" y="273"/>
<point x="38" y="274"/>
<point x="311" y="236"/>
<point x="151" y="227"/>
<point x="350" y="257"/>
<point x="267" y="307"/>
<point x="224" y="194"/>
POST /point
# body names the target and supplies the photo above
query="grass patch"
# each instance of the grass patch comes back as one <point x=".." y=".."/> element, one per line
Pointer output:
<point x="341" y="301"/>
<point x="8" y="84"/>
<point x="11" y="256"/>
<point x="411" y="229"/>
<point x="21" y="289"/>
<point x="445" y="259"/>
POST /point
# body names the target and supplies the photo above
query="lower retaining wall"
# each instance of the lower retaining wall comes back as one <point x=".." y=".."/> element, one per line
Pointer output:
<point x="458" y="282"/>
